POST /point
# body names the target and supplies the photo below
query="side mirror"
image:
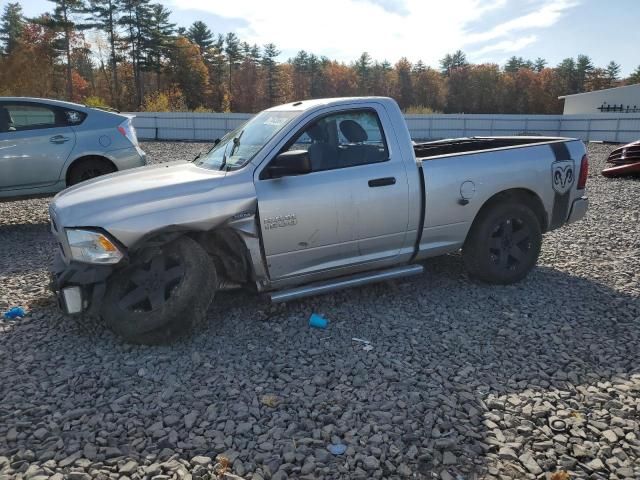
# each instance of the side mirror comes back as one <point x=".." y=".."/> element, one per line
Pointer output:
<point x="294" y="162"/>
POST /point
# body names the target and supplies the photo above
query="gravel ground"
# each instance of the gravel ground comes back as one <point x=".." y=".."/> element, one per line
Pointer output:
<point x="463" y="380"/>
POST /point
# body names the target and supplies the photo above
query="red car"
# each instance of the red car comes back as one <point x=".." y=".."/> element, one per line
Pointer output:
<point x="624" y="160"/>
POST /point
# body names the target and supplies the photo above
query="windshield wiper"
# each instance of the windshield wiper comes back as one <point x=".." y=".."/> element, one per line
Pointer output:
<point x="236" y="144"/>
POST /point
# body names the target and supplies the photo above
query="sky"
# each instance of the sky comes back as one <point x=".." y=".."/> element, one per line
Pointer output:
<point x="486" y="30"/>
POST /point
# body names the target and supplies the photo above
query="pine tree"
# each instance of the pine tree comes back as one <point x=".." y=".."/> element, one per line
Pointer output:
<point x="200" y="34"/>
<point x="584" y="67"/>
<point x="539" y="64"/>
<point x="11" y="27"/>
<point x="62" y="22"/>
<point x="452" y="62"/>
<point x="272" y="89"/>
<point x="362" y="66"/>
<point x="158" y="40"/>
<point x="104" y="15"/>
<point x="232" y="51"/>
<point x="135" y="21"/>
<point x="613" y="72"/>
<point x="634" y="77"/>
<point x="568" y="76"/>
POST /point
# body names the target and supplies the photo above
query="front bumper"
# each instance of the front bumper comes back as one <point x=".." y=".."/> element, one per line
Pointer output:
<point x="578" y="209"/>
<point x="78" y="287"/>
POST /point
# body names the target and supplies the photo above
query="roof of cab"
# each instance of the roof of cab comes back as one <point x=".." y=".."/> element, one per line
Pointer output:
<point x="325" y="102"/>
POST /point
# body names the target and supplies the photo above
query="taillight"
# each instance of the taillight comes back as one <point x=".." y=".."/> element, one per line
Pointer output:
<point x="127" y="130"/>
<point x="584" y="172"/>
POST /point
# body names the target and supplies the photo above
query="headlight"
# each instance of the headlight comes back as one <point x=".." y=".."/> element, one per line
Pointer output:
<point x="92" y="247"/>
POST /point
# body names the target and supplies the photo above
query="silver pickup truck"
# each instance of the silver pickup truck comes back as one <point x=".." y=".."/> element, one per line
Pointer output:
<point x="306" y="198"/>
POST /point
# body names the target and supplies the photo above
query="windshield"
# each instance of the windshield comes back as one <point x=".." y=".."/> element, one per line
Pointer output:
<point x="237" y="148"/>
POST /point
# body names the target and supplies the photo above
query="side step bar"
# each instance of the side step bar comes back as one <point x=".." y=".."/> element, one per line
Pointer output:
<point x="345" y="282"/>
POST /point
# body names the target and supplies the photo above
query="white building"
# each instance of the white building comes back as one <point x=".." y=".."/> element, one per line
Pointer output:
<point x="611" y="100"/>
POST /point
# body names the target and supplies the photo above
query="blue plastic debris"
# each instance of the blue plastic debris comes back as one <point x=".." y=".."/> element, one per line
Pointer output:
<point x="337" y="448"/>
<point x="15" y="312"/>
<point x="318" y="321"/>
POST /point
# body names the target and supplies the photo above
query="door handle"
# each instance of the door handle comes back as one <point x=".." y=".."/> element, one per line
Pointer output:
<point x="59" y="139"/>
<point x="382" y="182"/>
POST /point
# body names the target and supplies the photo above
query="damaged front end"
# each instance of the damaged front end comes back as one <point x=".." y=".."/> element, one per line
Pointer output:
<point x="85" y="258"/>
<point x="624" y="160"/>
<point x="78" y="287"/>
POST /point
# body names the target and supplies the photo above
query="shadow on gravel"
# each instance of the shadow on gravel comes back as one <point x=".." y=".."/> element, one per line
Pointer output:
<point x="25" y="247"/>
<point x="462" y="378"/>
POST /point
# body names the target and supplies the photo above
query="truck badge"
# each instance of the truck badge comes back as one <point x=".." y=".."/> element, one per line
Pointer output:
<point x="280" y="221"/>
<point x="562" y="175"/>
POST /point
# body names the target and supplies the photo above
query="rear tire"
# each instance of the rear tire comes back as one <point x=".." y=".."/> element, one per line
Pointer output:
<point x="503" y="244"/>
<point x="88" y="169"/>
<point x="157" y="300"/>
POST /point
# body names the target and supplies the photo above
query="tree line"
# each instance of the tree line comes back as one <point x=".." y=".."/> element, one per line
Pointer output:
<point x="128" y="54"/>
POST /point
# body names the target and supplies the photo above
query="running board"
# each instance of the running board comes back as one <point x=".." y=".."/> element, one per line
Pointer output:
<point x="345" y="282"/>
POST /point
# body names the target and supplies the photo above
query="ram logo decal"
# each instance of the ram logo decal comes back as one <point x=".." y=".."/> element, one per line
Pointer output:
<point x="562" y="175"/>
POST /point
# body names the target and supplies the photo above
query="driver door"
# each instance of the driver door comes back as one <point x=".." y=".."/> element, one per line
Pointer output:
<point x="320" y="221"/>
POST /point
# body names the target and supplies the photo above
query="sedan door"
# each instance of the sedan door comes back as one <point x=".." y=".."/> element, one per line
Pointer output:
<point x="35" y="142"/>
<point x="351" y="209"/>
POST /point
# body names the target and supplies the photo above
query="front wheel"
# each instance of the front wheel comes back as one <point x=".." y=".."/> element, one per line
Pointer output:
<point x="503" y="244"/>
<point x="157" y="299"/>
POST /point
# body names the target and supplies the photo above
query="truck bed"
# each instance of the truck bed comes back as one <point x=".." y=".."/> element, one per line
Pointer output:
<point x="426" y="150"/>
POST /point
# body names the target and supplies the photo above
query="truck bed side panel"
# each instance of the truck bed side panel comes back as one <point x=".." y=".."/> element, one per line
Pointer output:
<point x="447" y="219"/>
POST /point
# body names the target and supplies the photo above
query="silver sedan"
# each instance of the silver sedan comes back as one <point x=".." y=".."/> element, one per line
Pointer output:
<point x="48" y="145"/>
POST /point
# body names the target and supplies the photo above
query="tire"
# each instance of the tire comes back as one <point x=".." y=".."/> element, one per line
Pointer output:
<point x="503" y="244"/>
<point x="88" y="169"/>
<point x="155" y="301"/>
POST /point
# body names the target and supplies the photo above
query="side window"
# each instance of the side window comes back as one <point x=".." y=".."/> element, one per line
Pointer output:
<point x="342" y="140"/>
<point x="20" y="117"/>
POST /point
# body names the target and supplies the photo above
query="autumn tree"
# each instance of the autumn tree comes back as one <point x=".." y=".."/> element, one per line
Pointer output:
<point x="429" y="88"/>
<point x="405" y="87"/>
<point x="190" y="72"/>
<point x="30" y="69"/>
<point x="597" y="80"/>
<point x="11" y="27"/>
<point x="248" y="79"/>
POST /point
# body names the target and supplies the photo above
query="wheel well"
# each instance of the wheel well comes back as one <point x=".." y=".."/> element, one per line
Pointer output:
<point x="522" y="196"/>
<point x="224" y="246"/>
<point x="81" y="160"/>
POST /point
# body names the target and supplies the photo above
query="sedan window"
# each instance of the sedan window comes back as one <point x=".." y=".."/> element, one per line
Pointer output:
<point x="17" y="117"/>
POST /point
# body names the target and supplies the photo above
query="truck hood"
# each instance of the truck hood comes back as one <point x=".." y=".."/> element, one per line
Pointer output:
<point x="134" y="203"/>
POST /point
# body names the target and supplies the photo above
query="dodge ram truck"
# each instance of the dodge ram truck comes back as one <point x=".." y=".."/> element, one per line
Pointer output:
<point x="303" y="199"/>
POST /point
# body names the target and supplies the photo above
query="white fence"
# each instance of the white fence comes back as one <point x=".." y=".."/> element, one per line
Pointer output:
<point x="601" y="127"/>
